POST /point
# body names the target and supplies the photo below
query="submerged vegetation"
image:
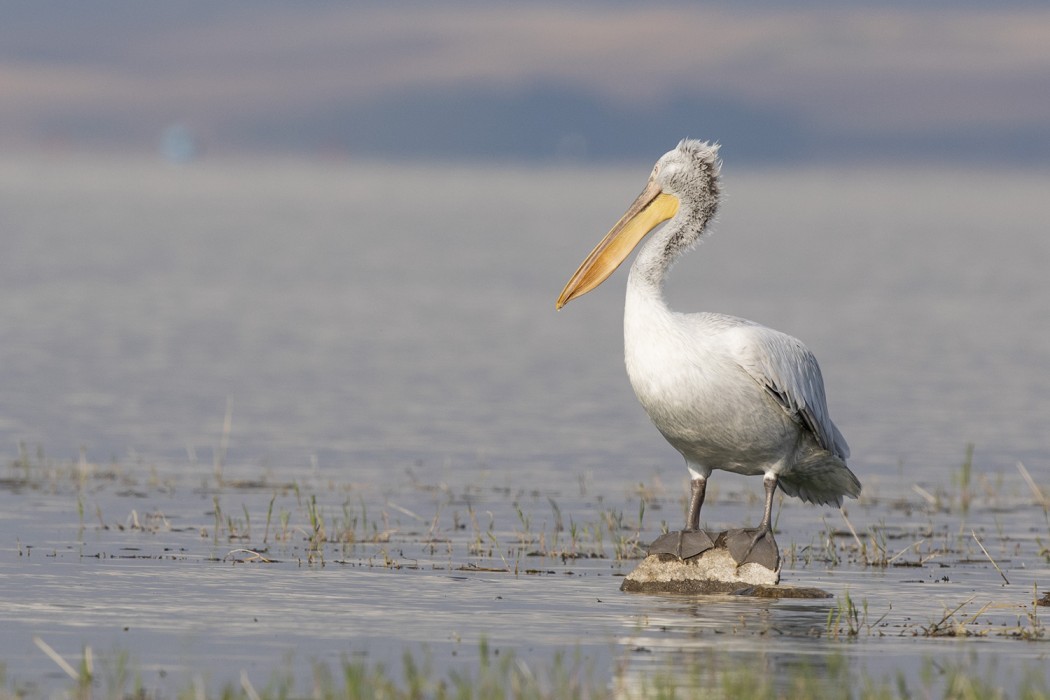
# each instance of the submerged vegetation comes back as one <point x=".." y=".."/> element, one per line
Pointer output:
<point x="940" y="535"/>
<point x="502" y="528"/>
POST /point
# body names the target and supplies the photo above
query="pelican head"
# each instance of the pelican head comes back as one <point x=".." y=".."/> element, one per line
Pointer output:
<point x="685" y="179"/>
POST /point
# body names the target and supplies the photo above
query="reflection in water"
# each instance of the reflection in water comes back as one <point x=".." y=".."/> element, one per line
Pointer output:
<point x="697" y="640"/>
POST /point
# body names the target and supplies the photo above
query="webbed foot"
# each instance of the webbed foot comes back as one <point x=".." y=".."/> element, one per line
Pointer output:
<point x="683" y="544"/>
<point x="753" y="545"/>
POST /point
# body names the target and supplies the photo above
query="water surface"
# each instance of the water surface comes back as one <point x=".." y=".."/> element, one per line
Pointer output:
<point x="384" y="339"/>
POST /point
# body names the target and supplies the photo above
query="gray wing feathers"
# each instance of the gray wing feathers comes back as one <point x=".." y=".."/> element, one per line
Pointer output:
<point x="789" y="372"/>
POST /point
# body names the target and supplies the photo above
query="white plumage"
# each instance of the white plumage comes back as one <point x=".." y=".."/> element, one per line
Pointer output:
<point x="727" y="393"/>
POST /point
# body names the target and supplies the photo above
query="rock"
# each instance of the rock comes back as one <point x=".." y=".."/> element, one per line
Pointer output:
<point x="717" y="568"/>
<point x="714" y="571"/>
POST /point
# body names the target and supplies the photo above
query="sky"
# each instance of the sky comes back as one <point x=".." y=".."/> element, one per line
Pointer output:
<point x="959" y="82"/>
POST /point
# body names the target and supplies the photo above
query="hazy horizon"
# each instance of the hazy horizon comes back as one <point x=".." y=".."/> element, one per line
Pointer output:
<point x="580" y="82"/>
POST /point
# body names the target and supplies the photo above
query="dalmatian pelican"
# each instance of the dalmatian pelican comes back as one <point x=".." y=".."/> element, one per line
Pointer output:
<point x="726" y="392"/>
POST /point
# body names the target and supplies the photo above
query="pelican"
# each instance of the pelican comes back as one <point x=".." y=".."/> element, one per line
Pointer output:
<point x="726" y="392"/>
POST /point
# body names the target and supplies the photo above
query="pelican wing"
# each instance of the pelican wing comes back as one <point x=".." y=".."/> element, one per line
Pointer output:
<point x="789" y="373"/>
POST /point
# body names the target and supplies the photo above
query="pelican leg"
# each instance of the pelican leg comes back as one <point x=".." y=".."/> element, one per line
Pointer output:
<point x="697" y="491"/>
<point x="757" y="545"/>
<point x="770" y="482"/>
<point x="692" y="541"/>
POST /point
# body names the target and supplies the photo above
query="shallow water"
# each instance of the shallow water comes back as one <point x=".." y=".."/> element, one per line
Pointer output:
<point x="385" y="341"/>
<point x="152" y="572"/>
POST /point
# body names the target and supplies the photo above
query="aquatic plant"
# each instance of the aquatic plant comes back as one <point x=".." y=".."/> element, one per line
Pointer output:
<point x="317" y="522"/>
<point x="847" y="620"/>
<point x="963" y="480"/>
<point x="500" y="674"/>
